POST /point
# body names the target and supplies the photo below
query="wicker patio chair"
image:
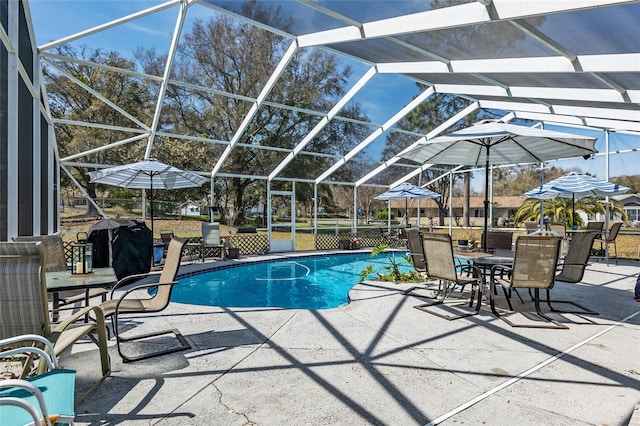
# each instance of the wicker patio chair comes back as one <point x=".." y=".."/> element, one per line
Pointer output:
<point x="24" y="307"/>
<point x="534" y="267"/>
<point x="572" y="269"/>
<point x="146" y="298"/>
<point x="441" y="265"/>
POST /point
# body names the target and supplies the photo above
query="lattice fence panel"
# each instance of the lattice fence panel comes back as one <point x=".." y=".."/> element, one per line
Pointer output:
<point x="332" y="241"/>
<point x="249" y="243"/>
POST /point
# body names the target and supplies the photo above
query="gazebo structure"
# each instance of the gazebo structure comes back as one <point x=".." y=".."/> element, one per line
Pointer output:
<point x="573" y="64"/>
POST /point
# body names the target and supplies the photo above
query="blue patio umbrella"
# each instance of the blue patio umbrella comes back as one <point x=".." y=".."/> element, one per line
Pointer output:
<point x="575" y="185"/>
<point x="405" y="191"/>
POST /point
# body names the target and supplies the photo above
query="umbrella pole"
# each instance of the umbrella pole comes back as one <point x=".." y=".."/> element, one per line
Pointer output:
<point x="573" y="210"/>
<point x="486" y="203"/>
<point x="151" y="205"/>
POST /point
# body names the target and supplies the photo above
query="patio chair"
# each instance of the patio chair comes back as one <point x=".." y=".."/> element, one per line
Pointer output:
<point x="211" y="239"/>
<point x="56" y="261"/>
<point x="534" y="267"/>
<point x="531" y="226"/>
<point x="45" y="398"/>
<point x="24" y="307"/>
<point x="571" y="269"/>
<point x="166" y="236"/>
<point x="595" y="226"/>
<point x="441" y="265"/>
<point x="499" y="240"/>
<point x="414" y="242"/>
<point x="560" y="229"/>
<point x="145" y="298"/>
<point x="609" y="240"/>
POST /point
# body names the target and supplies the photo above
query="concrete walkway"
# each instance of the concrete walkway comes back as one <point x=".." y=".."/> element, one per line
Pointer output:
<point x="379" y="361"/>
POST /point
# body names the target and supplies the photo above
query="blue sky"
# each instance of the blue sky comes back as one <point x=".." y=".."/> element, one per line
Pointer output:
<point x="383" y="96"/>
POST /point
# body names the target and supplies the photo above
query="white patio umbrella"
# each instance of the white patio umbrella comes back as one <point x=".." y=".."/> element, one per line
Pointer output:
<point x="405" y="191"/>
<point x="575" y="186"/>
<point x="491" y="143"/>
<point x="147" y="174"/>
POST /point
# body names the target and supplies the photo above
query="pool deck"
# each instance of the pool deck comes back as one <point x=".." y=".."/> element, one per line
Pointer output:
<point x="379" y="361"/>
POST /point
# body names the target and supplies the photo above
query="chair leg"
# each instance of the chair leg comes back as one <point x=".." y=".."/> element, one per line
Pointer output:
<point x="536" y="300"/>
<point x="184" y="345"/>
<point x="440" y="301"/>
<point x="570" y="302"/>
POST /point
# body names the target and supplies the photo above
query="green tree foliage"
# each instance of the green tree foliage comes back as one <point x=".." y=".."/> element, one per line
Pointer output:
<point x="632" y="182"/>
<point x="560" y="209"/>
<point x="229" y="56"/>
<point x="69" y="100"/>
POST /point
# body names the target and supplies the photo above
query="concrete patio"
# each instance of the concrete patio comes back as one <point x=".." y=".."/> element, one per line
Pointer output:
<point x="380" y="361"/>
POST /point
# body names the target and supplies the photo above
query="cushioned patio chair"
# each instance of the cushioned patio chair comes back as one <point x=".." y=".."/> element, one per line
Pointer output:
<point x="56" y="261"/>
<point x="534" y="267"/>
<point x="46" y="398"/>
<point x="24" y="307"/>
<point x="571" y="269"/>
<point x="146" y="298"/>
<point x="441" y="265"/>
<point x="610" y="239"/>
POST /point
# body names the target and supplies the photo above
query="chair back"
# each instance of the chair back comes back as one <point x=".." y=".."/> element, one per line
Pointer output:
<point x="210" y="234"/>
<point x="535" y="261"/>
<point x="168" y="274"/>
<point x="613" y="231"/>
<point x="595" y="226"/>
<point x="53" y="245"/>
<point x="23" y="293"/>
<point x="577" y="257"/>
<point x="438" y="255"/>
<point x="414" y="241"/>
<point x="166" y="236"/>
<point x="559" y="228"/>
<point x="499" y="240"/>
<point x="531" y="226"/>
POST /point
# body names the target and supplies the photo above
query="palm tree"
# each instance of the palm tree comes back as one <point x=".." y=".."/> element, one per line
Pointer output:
<point x="560" y="209"/>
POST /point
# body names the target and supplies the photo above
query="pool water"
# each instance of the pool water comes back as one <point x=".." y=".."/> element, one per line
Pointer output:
<point x="313" y="282"/>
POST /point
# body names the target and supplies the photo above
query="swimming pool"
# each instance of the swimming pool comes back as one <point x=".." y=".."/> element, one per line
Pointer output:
<point x="310" y="282"/>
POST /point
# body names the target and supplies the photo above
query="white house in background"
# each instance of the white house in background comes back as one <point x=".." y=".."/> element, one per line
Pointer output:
<point x="190" y="208"/>
<point x="631" y="203"/>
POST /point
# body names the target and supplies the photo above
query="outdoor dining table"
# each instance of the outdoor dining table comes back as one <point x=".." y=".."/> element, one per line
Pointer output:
<point x="58" y="281"/>
<point x="485" y="260"/>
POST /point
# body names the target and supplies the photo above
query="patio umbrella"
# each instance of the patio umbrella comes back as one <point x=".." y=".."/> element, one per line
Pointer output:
<point x="147" y="174"/>
<point x="405" y="191"/>
<point x="575" y="185"/>
<point x="491" y="143"/>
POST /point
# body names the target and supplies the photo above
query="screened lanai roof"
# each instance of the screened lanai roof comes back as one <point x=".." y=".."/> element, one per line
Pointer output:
<point x="574" y="63"/>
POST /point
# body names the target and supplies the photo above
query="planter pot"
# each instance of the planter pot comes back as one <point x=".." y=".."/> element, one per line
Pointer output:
<point x="463" y="243"/>
<point x="233" y="253"/>
<point x="344" y="244"/>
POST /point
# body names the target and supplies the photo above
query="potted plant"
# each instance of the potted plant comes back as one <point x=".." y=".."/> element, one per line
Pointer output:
<point x="233" y="251"/>
<point x="467" y="238"/>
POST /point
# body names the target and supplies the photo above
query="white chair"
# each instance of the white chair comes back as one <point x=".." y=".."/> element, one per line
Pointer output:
<point x="211" y="239"/>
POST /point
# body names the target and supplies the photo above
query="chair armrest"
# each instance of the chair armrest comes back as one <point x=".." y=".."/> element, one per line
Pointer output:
<point x="138" y="288"/>
<point x="500" y="270"/>
<point x="129" y="278"/>
<point x="24" y="404"/>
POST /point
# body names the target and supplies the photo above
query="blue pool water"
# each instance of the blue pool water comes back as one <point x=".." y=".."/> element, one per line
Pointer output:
<point x="313" y="282"/>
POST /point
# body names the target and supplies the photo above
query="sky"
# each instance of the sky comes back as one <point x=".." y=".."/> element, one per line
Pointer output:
<point x="381" y="98"/>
